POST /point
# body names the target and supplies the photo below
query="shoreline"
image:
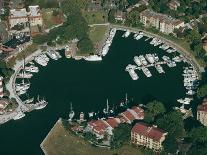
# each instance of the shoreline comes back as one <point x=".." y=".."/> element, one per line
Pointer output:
<point x="190" y="59"/>
<point x="48" y="134"/>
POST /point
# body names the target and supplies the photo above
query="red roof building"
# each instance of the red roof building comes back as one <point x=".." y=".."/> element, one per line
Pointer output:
<point x="148" y="136"/>
<point x="202" y="112"/>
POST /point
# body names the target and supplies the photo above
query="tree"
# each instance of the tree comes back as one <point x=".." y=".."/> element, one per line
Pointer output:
<point x="155" y="108"/>
<point x="170" y="144"/>
<point x="198" y="135"/>
<point x="202" y="91"/>
<point x="85" y="45"/>
<point x="172" y="122"/>
<point x="120" y="135"/>
<point x="111" y="15"/>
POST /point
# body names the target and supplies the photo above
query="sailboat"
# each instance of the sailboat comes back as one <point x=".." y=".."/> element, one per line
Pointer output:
<point x="40" y="104"/>
<point x="71" y="113"/>
<point x="106" y="111"/>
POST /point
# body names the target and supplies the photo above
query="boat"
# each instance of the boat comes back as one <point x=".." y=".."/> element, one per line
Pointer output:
<point x="126" y="34"/>
<point x="146" y="71"/>
<point x="185" y="100"/>
<point x="190" y="92"/>
<point x="24" y="75"/>
<point x="159" y="68"/>
<point x="137" y="61"/>
<point x="30" y="100"/>
<point x="19" y="115"/>
<point x="40" y="104"/>
<point x="133" y="75"/>
<point x="32" y="69"/>
<point x="130" y="66"/>
<point x="93" y="58"/>
<point x="150" y="58"/>
<point x="52" y="54"/>
<point x="90" y="114"/>
<point x="156" y="58"/>
<point x="139" y="36"/>
<point x="165" y="58"/>
<point x="71" y="113"/>
<point x="177" y="59"/>
<point x="106" y="111"/>
<point x="21" y="92"/>
<point x="143" y="60"/>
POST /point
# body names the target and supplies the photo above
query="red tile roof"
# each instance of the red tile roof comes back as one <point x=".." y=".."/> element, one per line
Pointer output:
<point x="98" y="126"/>
<point x="139" y="111"/>
<point x="128" y="115"/>
<point x="148" y="131"/>
<point x="203" y="106"/>
<point x="113" y="122"/>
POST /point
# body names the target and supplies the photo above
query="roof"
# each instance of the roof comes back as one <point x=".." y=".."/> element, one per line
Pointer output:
<point x="139" y="111"/>
<point x="203" y="106"/>
<point x="18" y="13"/>
<point x="148" y="131"/>
<point x="98" y="126"/>
<point x="113" y="122"/>
<point x="128" y="115"/>
<point x="34" y="11"/>
<point x="162" y="17"/>
<point x="3" y="103"/>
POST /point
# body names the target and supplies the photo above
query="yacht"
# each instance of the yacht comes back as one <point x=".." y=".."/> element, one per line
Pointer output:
<point x="185" y="100"/>
<point x="146" y="71"/>
<point x="133" y="75"/>
<point x="105" y="49"/>
<point x="21" y="92"/>
<point x="24" y="75"/>
<point x="156" y="58"/>
<point x="139" y="36"/>
<point x="32" y="69"/>
<point x="93" y="58"/>
<point x="159" y="68"/>
<point x="165" y="58"/>
<point x="30" y="100"/>
<point x="135" y="35"/>
<point x="164" y="46"/>
<point x="52" y="55"/>
<point x="90" y="114"/>
<point x="19" y="115"/>
<point x="177" y="59"/>
<point x="71" y="113"/>
<point x="22" y="86"/>
<point x="190" y="92"/>
<point x="126" y="34"/>
<point x="150" y="58"/>
<point x="58" y="55"/>
<point x="137" y="61"/>
<point x="40" y="104"/>
<point x="171" y="63"/>
<point x="143" y="60"/>
<point x="129" y="66"/>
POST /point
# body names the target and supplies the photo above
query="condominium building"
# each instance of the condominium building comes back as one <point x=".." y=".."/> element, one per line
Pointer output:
<point x="162" y="22"/>
<point x="35" y="16"/>
<point x="202" y="112"/>
<point x="148" y="136"/>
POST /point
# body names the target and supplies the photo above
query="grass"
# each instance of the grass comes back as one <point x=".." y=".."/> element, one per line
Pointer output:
<point x="97" y="33"/>
<point x="63" y="142"/>
<point x="49" y="20"/>
<point x="96" y="17"/>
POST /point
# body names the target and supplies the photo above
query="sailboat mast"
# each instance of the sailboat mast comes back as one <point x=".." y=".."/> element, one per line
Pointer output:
<point x="126" y="98"/>
<point x="107" y="105"/>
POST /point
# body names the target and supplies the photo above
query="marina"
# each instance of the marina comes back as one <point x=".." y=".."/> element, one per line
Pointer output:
<point x="85" y="84"/>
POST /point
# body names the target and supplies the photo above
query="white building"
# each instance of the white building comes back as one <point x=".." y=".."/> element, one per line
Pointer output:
<point x="17" y="16"/>
<point x="35" y="16"/>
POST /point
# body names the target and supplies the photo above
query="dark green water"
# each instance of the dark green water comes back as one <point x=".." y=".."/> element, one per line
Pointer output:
<point x="87" y="85"/>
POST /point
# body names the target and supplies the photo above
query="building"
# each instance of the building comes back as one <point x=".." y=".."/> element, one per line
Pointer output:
<point x="148" y="136"/>
<point x="174" y="4"/>
<point x="18" y="17"/>
<point x="120" y="16"/>
<point x="102" y="127"/>
<point x="1" y="87"/>
<point x="135" y="113"/>
<point x="202" y="112"/>
<point x="142" y="2"/>
<point x="35" y="16"/>
<point x="162" y="22"/>
<point x="3" y="104"/>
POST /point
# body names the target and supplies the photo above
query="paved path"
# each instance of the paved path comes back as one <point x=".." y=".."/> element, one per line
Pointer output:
<point x="186" y="53"/>
<point x="10" y="87"/>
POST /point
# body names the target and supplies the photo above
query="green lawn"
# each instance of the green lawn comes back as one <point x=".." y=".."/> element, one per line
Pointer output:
<point x="97" y="33"/>
<point x="63" y="142"/>
<point x="96" y="17"/>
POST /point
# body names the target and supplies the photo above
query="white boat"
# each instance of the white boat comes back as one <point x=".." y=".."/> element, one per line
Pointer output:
<point x="71" y="113"/>
<point x="146" y="71"/>
<point x="58" y="55"/>
<point x="21" y="92"/>
<point x="93" y="58"/>
<point x="24" y="75"/>
<point x="150" y="58"/>
<point x="52" y="55"/>
<point x="159" y="68"/>
<point x="32" y="69"/>
<point x="171" y="63"/>
<point x="165" y="58"/>
<point x="30" y="100"/>
<point x="22" y="86"/>
<point x="126" y="34"/>
<point x="156" y="58"/>
<point x="90" y="114"/>
<point x="40" y="104"/>
<point x="177" y="59"/>
<point x="139" y="36"/>
<point x="143" y="60"/>
<point x="129" y="66"/>
<point x="19" y="115"/>
<point x="105" y="49"/>
<point x="185" y="100"/>
<point x="133" y="75"/>
<point x="190" y="92"/>
<point x="137" y="61"/>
